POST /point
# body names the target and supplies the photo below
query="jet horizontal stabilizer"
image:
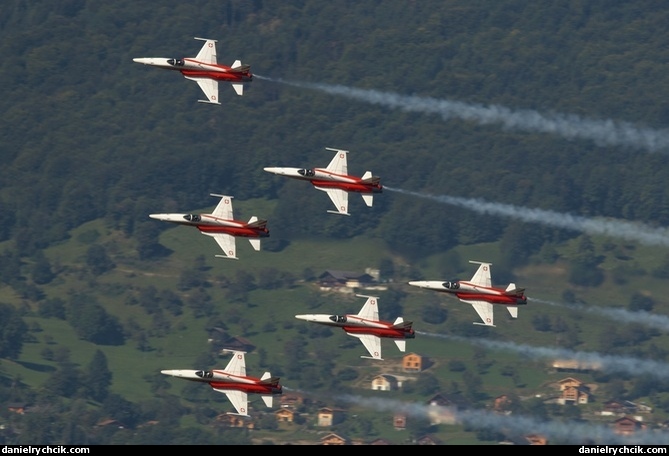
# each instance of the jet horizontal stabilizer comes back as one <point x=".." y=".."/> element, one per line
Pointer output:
<point x="271" y="381"/>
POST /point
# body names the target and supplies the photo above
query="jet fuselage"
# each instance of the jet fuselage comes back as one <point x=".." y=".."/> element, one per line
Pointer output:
<point x="193" y="68"/>
<point x="353" y="324"/>
<point x="323" y="178"/>
<point x="469" y="292"/>
<point x="222" y="380"/>
<point x="208" y="223"/>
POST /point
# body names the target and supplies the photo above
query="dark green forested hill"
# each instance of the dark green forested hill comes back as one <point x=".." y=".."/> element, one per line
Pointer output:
<point x="96" y="136"/>
<point x="550" y="106"/>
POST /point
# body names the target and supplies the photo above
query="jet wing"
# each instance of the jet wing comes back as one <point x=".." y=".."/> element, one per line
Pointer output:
<point x="371" y="343"/>
<point x="370" y="311"/>
<point x="224" y="207"/>
<point x="209" y="87"/>
<point x="482" y="276"/>
<point x="338" y="164"/>
<point x="237" y="364"/>
<point x="339" y="199"/>
<point x="239" y="400"/>
<point x="208" y="52"/>
<point x="227" y="243"/>
<point x="484" y="309"/>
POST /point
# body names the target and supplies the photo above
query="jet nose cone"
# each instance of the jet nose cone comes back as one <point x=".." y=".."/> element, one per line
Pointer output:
<point x="155" y="216"/>
<point x="270" y="170"/>
<point x="416" y="283"/>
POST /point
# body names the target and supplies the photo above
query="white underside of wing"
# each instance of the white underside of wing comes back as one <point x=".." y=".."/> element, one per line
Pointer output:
<point x="371" y="343"/>
<point x="239" y="400"/>
<point x="226" y="242"/>
<point x="208" y="86"/>
<point x="485" y="311"/>
<point x="339" y="198"/>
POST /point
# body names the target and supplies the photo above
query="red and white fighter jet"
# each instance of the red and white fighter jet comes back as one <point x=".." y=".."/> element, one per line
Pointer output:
<point x="335" y="181"/>
<point x="222" y="226"/>
<point x="234" y="383"/>
<point x="366" y="326"/>
<point x="205" y="70"/>
<point x="480" y="293"/>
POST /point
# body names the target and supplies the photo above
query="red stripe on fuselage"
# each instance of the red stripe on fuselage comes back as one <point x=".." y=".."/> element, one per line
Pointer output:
<point x="495" y="299"/>
<point x="246" y="387"/>
<point x="392" y="333"/>
<point x="235" y="231"/>
<point x="349" y="186"/>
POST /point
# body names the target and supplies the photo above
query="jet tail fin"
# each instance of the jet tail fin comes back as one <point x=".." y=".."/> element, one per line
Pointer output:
<point x="254" y="222"/>
<point x="401" y="344"/>
<point x="513" y="290"/>
<point x="237" y="65"/>
<point x="400" y="323"/>
<point x="267" y="379"/>
<point x="368" y="178"/>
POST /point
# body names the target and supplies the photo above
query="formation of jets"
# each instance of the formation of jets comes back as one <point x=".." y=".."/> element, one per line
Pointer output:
<point x="335" y="181"/>
<point x="366" y="326"/>
<point x="234" y="383"/>
<point x="222" y="226"/>
<point x="479" y="293"/>
<point x="205" y="70"/>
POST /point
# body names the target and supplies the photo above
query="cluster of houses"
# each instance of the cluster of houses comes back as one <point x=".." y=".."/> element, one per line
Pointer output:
<point x="627" y="418"/>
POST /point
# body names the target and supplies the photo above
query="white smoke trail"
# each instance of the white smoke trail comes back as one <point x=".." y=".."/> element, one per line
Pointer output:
<point x="562" y="432"/>
<point x="620" y="229"/>
<point x="651" y="320"/>
<point x="608" y="363"/>
<point x="568" y="126"/>
<point x="554" y="431"/>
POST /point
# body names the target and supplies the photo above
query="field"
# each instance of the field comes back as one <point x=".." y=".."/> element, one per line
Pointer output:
<point x="266" y="318"/>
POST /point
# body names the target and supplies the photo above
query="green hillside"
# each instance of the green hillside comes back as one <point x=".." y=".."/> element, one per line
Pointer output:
<point x="531" y="136"/>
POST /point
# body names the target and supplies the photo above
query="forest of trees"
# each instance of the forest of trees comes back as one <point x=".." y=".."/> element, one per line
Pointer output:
<point x="551" y="106"/>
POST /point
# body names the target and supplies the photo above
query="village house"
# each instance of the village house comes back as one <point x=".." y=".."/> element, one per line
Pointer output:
<point x="400" y="421"/>
<point x="285" y="415"/>
<point x="621" y="408"/>
<point x="501" y="404"/>
<point x="17" y="407"/>
<point x="627" y="426"/>
<point x="233" y="421"/>
<point x="384" y="382"/>
<point x="573" y="391"/>
<point x="412" y="362"/>
<point x="334" y="439"/>
<point x="438" y="411"/>
<point x="293" y="400"/>
<point x="428" y="440"/>
<point x="345" y="281"/>
<point x="328" y="417"/>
